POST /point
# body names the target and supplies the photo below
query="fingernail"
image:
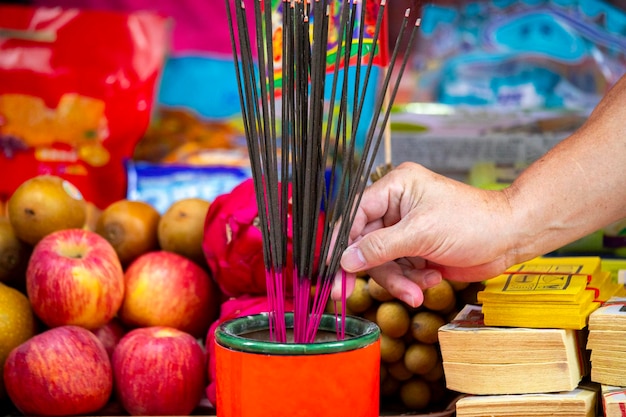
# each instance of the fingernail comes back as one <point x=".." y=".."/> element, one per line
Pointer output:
<point x="432" y="278"/>
<point x="352" y="259"/>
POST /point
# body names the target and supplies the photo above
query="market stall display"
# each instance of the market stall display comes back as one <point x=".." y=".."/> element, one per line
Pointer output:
<point x="123" y="157"/>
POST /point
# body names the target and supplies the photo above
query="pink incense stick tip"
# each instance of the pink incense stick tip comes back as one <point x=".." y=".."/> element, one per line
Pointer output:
<point x="407" y="12"/>
<point x="418" y="21"/>
<point x="383" y="2"/>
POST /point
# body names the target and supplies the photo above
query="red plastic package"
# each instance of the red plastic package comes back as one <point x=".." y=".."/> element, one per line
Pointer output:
<point x="76" y="93"/>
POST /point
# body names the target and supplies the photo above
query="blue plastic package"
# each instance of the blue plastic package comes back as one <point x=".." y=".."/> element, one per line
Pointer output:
<point x="160" y="185"/>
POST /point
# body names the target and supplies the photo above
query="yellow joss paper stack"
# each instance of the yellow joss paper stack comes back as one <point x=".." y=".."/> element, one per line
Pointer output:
<point x="607" y="343"/>
<point x="548" y="292"/>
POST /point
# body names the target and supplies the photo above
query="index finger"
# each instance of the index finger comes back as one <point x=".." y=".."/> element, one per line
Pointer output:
<point x="373" y="206"/>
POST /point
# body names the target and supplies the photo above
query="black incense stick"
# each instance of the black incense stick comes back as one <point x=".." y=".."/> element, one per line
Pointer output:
<point x="309" y="172"/>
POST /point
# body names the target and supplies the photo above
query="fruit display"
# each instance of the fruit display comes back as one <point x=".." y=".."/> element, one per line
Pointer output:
<point x="411" y="369"/>
<point x="159" y="371"/>
<point x="167" y="289"/>
<point x="44" y="204"/>
<point x="91" y="304"/>
<point x="75" y="277"/>
<point x="126" y="301"/>
<point x="130" y="227"/>
<point x="61" y="371"/>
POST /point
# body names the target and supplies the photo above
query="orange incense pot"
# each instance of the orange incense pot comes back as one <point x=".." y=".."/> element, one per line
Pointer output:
<point x="329" y="377"/>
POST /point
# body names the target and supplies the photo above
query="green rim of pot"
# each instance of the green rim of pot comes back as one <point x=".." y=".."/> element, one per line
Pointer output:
<point x="231" y="334"/>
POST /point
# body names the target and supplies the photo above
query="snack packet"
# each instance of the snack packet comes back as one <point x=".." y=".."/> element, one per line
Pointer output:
<point x="76" y="92"/>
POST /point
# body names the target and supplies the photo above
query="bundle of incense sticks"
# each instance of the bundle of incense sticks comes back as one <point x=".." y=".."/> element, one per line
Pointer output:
<point x="303" y="69"/>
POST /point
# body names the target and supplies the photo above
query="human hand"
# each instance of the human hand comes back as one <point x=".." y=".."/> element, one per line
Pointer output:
<point x="414" y="227"/>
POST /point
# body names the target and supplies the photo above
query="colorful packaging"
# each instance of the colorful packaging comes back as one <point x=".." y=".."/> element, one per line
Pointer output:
<point x="527" y="54"/>
<point x="196" y="146"/>
<point x="76" y="93"/>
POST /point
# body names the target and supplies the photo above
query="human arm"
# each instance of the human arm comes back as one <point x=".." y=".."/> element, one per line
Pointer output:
<point x="414" y="226"/>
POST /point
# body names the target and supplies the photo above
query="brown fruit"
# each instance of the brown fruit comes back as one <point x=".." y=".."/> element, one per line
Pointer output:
<point x="436" y="373"/>
<point x="425" y="326"/>
<point x="378" y="292"/>
<point x="421" y="358"/>
<point x="130" y="227"/>
<point x="383" y="372"/>
<point x="459" y="285"/>
<point x="393" y="319"/>
<point x="438" y="391"/>
<point x="469" y="294"/>
<point x="14" y="255"/>
<point x="439" y="297"/>
<point x="415" y="394"/>
<point x="389" y="386"/>
<point x="93" y="214"/>
<point x="360" y="299"/>
<point x="370" y="313"/>
<point x="44" y="204"/>
<point x="399" y="371"/>
<point x="391" y="349"/>
<point x="181" y="228"/>
<point x="333" y="307"/>
<point x="17" y="324"/>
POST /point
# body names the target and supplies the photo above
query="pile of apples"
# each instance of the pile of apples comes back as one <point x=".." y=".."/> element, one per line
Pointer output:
<point x="122" y="297"/>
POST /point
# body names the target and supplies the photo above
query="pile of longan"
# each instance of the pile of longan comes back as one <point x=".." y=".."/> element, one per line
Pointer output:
<point x="411" y="368"/>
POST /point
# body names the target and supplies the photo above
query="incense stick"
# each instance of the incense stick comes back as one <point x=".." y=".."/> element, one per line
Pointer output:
<point x="308" y="170"/>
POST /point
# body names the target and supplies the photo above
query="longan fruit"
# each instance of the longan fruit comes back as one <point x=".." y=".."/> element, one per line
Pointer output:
<point x="391" y="349"/>
<point x="393" y="319"/>
<point x="421" y="358"/>
<point x="415" y="394"/>
<point x="439" y="297"/>
<point x="399" y="371"/>
<point x="333" y="306"/>
<point x="370" y="313"/>
<point x="438" y="391"/>
<point x="425" y="326"/>
<point x="377" y="291"/>
<point x="360" y="299"/>
<point x="389" y="386"/>
<point x="468" y="295"/>
<point x="436" y="373"/>
<point x="383" y="371"/>
<point x="458" y="285"/>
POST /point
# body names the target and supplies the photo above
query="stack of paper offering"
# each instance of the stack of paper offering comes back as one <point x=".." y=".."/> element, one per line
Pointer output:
<point x="607" y="343"/>
<point x="548" y="293"/>
<point x="481" y="359"/>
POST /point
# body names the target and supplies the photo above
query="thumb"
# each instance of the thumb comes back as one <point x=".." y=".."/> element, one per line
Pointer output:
<point x="373" y="249"/>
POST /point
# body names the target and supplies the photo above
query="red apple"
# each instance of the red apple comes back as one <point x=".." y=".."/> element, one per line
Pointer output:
<point x="110" y="334"/>
<point x="159" y="371"/>
<point x="167" y="289"/>
<point x="74" y="277"/>
<point x="62" y="371"/>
